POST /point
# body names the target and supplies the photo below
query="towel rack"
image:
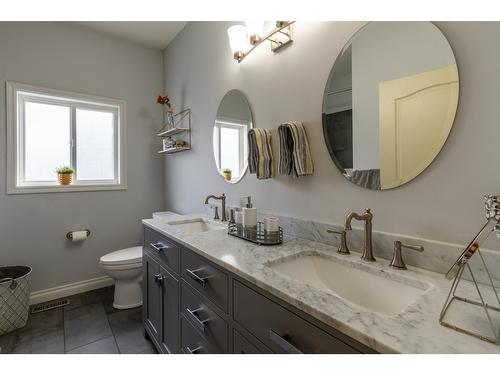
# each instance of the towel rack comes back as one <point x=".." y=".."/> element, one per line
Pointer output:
<point x="339" y="91"/>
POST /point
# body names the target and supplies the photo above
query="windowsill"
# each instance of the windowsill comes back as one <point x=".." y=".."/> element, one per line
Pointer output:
<point x="64" y="188"/>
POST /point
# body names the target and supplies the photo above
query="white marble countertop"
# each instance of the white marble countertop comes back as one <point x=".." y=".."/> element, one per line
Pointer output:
<point x="415" y="330"/>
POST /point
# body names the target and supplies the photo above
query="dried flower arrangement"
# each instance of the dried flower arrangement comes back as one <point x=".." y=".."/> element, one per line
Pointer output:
<point x="164" y="100"/>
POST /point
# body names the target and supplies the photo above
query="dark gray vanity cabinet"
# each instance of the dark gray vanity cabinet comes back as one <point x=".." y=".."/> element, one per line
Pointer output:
<point x="161" y="292"/>
<point x="194" y="306"/>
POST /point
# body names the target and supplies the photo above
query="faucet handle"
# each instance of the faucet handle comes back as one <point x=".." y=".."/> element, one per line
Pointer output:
<point x="343" y="249"/>
<point x="419" y="248"/>
<point x="397" y="259"/>
<point x="216" y="215"/>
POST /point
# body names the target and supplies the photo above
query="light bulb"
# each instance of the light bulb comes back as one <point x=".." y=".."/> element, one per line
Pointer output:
<point x="255" y="29"/>
<point x="237" y="40"/>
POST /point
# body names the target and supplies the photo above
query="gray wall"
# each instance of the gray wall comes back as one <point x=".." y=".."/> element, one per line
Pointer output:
<point x="33" y="226"/>
<point x="443" y="203"/>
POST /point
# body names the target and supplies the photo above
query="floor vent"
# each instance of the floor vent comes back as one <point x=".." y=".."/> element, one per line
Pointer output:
<point x="49" y="306"/>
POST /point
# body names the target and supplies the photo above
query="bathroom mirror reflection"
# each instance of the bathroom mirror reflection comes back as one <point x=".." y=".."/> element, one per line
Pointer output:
<point x="233" y="120"/>
<point x="390" y="102"/>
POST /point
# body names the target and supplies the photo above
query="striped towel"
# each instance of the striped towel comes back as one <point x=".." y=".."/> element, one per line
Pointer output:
<point x="295" y="156"/>
<point x="260" y="153"/>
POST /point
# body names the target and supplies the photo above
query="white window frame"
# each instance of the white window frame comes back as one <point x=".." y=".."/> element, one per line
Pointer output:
<point x="17" y="95"/>
<point x="242" y="127"/>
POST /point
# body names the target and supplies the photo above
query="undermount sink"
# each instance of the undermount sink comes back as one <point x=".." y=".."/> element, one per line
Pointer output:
<point x="197" y="225"/>
<point x="388" y="296"/>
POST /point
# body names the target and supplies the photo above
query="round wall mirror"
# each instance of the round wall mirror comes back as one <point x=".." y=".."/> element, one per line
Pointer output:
<point x="390" y="102"/>
<point x="234" y="119"/>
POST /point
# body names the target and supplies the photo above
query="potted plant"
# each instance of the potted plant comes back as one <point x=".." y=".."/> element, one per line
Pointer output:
<point x="65" y="175"/>
<point x="227" y="174"/>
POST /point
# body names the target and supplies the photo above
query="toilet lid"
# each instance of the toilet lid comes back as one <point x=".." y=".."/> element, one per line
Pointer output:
<point x="125" y="256"/>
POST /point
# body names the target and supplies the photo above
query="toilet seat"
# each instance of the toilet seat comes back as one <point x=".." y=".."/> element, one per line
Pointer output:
<point x="130" y="256"/>
<point x="121" y="267"/>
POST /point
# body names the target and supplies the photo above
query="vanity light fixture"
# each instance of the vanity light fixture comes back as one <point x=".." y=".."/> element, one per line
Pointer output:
<point x="244" y="39"/>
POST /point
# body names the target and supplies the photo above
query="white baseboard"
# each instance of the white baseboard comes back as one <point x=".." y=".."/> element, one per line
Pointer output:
<point x="69" y="289"/>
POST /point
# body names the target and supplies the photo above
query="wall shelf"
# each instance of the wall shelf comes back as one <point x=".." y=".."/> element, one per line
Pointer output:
<point x="173" y="131"/>
<point x="181" y="129"/>
<point x="173" y="150"/>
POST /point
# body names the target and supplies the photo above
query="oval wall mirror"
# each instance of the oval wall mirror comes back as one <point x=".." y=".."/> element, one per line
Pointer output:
<point x="390" y="102"/>
<point x="230" y="141"/>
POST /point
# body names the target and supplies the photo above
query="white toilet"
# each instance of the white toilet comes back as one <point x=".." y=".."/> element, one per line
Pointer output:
<point x="125" y="267"/>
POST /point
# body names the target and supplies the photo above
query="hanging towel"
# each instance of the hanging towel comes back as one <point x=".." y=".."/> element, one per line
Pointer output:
<point x="295" y="156"/>
<point x="260" y="153"/>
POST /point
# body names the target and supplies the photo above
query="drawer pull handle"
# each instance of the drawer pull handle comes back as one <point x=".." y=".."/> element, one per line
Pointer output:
<point x="193" y="275"/>
<point x="201" y="324"/>
<point x="158" y="246"/>
<point x="196" y="350"/>
<point x="159" y="278"/>
<point x="283" y="343"/>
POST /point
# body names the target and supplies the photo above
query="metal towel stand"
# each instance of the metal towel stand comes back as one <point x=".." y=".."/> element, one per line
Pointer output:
<point x="492" y="204"/>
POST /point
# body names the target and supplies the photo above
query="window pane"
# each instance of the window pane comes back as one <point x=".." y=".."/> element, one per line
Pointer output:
<point x="95" y="146"/>
<point x="230" y="149"/>
<point x="46" y="140"/>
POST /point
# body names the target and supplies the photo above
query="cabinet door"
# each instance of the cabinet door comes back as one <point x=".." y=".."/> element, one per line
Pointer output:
<point x="170" y="312"/>
<point x="151" y="297"/>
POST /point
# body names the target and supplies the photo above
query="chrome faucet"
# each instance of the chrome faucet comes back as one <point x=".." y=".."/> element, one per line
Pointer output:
<point x="223" y="208"/>
<point x="367" y="217"/>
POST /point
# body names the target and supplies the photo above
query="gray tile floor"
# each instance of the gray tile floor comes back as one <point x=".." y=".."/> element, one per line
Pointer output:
<point x="88" y="325"/>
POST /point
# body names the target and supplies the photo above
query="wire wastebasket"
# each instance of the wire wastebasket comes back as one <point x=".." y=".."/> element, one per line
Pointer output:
<point x="15" y="282"/>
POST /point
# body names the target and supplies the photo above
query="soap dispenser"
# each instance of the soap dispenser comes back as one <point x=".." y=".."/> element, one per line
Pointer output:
<point x="249" y="214"/>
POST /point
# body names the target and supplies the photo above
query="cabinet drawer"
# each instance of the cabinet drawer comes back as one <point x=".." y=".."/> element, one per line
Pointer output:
<point x="210" y="281"/>
<point x="242" y="346"/>
<point x="164" y="249"/>
<point x="279" y="329"/>
<point x="191" y="340"/>
<point x="209" y="325"/>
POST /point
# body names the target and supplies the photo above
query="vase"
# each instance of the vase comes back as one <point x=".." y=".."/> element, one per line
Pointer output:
<point x="170" y="120"/>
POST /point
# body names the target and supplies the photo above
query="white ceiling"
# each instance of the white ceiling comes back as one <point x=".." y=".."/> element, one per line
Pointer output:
<point x="150" y="34"/>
